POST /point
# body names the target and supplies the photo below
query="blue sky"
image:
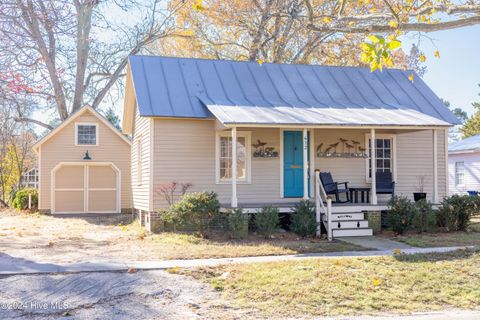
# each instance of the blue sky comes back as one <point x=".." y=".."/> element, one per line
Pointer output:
<point x="453" y="77"/>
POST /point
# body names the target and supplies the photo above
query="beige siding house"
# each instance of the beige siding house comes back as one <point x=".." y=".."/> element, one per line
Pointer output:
<point x="84" y="167"/>
<point x="190" y="119"/>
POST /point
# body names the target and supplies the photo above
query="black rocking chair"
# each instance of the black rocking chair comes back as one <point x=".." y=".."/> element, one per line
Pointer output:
<point x="332" y="187"/>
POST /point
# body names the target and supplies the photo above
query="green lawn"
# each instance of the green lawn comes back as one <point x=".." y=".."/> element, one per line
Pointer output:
<point x="449" y="239"/>
<point x="441" y="239"/>
<point x="348" y="286"/>
<point x="188" y="246"/>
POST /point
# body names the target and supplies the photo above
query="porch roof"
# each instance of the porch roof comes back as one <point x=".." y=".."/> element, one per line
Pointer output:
<point x="250" y="93"/>
<point x="289" y="116"/>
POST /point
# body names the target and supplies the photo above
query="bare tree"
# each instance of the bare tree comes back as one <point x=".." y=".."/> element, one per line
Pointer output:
<point x="72" y="53"/>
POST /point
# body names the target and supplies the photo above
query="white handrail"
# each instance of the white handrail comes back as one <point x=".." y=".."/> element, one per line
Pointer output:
<point x="320" y="197"/>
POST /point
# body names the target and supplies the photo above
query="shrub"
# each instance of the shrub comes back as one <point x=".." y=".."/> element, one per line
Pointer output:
<point x="424" y="218"/>
<point x="20" y="201"/>
<point x="267" y="221"/>
<point x="237" y="224"/>
<point x="303" y="221"/>
<point x="400" y="214"/>
<point x="196" y="209"/>
<point x="455" y="212"/>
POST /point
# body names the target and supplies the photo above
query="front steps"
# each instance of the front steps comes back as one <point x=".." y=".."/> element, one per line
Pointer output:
<point x="349" y="224"/>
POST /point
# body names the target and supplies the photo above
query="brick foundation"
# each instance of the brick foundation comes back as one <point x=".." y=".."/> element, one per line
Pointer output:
<point x="374" y="220"/>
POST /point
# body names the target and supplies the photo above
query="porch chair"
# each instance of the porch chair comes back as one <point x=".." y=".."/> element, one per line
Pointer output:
<point x="385" y="183"/>
<point x="332" y="187"/>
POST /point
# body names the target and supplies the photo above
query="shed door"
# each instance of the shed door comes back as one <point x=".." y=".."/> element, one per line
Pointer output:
<point x="102" y="191"/>
<point x="70" y="189"/>
<point x="86" y="189"/>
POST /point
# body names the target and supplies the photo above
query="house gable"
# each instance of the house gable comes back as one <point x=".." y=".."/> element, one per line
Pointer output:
<point x="94" y="118"/>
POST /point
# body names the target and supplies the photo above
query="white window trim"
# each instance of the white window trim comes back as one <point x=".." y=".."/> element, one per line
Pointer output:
<point x="248" y="144"/>
<point x="86" y="124"/>
<point x="455" y="174"/>
<point x="393" y="137"/>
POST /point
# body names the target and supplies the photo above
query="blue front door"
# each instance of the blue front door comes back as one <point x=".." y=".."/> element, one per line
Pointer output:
<point x="292" y="164"/>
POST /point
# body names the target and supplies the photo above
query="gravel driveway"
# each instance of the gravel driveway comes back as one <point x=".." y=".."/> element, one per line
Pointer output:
<point x="140" y="295"/>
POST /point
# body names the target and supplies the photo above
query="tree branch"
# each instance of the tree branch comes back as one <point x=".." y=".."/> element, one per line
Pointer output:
<point x="34" y="121"/>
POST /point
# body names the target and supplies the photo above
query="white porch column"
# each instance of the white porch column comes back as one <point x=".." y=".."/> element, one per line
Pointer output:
<point x="373" y="147"/>
<point x="234" y="168"/>
<point x="435" y="166"/>
<point x="305" y="163"/>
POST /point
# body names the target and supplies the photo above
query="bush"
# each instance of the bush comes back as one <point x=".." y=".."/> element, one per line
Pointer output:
<point x="424" y="218"/>
<point x="20" y="201"/>
<point x="237" y="224"/>
<point x="455" y="212"/>
<point x="303" y="221"/>
<point x="267" y="221"/>
<point x="196" y="209"/>
<point x="400" y="214"/>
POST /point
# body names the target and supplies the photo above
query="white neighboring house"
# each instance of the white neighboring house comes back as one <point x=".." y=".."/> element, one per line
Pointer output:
<point x="464" y="165"/>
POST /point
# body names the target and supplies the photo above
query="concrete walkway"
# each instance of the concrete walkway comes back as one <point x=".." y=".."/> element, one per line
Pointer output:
<point x="376" y="243"/>
<point x="10" y="265"/>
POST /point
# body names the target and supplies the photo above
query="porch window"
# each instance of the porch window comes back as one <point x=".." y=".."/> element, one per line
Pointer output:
<point x="459" y="173"/>
<point x="385" y="152"/>
<point x="224" y="157"/>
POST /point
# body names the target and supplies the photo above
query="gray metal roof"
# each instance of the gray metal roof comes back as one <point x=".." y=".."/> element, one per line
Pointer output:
<point x="468" y="144"/>
<point x="247" y="92"/>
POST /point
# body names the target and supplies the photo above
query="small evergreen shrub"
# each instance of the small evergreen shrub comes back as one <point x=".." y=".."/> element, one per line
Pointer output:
<point x="455" y="212"/>
<point x="267" y="221"/>
<point x="237" y="224"/>
<point x="424" y="218"/>
<point x="20" y="201"/>
<point x="303" y="220"/>
<point x="196" y="209"/>
<point x="400" y="214"/>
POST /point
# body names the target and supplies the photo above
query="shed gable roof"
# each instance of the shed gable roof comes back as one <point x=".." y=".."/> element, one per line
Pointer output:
<point x="245" y="91"/>
<point x="72" y="118"/>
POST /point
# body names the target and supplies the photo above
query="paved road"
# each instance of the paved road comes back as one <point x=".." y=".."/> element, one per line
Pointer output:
<point x="111" y="295"/>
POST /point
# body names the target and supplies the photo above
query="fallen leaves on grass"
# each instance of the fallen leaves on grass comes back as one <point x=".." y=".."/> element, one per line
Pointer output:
<point x="132" y="270"/>
<point x="174" y="270"/>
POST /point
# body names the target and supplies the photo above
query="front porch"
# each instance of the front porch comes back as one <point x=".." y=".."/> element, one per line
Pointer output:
<point x="412" y="157"/>
<point x="276" y="166"/>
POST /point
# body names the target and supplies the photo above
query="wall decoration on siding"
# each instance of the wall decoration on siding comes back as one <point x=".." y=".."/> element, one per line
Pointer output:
<point x="262" y="151"/>
<point x="349" y="149"/>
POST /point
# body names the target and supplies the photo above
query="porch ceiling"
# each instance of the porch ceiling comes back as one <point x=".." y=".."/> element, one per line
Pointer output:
<point x="282" y="115"/>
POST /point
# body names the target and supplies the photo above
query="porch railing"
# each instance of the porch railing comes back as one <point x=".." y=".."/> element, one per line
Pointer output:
<point x="323" y="213"/>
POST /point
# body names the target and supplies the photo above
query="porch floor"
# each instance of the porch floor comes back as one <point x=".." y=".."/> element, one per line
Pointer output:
<point x="288" y="206"/>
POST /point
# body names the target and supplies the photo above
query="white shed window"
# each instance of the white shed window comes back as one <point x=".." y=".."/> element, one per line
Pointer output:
<point x="459" y="173"/>
<point x="87" y="134"/>
<point x="224" y="157"/>
<point x="385" y="152"/>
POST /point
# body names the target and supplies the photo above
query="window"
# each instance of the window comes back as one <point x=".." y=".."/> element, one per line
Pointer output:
<point x="30" y="179"/>
<point x="139" y="161"/>
<point x="459" y="173"/>
<point x="385" y="152"/>
<point x="224" y="157"/>
<point x="86" y="134"/>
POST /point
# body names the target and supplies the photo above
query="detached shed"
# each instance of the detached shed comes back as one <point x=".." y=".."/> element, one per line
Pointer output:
<point x="84" y="166"/>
